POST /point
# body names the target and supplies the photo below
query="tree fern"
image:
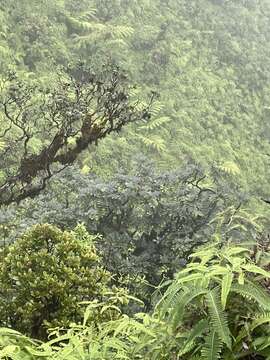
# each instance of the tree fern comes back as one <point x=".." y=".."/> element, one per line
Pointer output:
<point x="93" y="31"/>
<point x="156" y="123"/>
<point x="230" y="167"/>
<point x="153" y="142"/>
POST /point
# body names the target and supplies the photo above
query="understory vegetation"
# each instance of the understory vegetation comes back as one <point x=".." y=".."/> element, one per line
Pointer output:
<point x="134" y="180"/>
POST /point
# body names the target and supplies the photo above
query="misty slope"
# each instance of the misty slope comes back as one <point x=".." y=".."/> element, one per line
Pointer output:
<point x="208" y="60"/>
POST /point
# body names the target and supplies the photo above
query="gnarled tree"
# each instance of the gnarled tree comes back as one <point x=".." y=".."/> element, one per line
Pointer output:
<point x="44" y="130"/>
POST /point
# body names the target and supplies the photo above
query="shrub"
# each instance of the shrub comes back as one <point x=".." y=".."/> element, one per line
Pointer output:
<point x="45" y="275"/>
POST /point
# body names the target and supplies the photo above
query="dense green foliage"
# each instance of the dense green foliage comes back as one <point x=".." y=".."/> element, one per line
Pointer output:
<point x="215" y="308"/>
<point x="44" y="277"/>
<point x="149" y="221"/>
<point x="208" y="59"/>
<point x="175" y="196"/>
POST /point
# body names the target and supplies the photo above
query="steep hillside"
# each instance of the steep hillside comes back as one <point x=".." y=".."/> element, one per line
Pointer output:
<point x="209" y="61"/>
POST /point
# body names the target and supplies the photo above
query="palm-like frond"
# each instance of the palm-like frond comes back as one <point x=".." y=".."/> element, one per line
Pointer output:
<point x="156" y="123"/>
<point x="153" y="142"/>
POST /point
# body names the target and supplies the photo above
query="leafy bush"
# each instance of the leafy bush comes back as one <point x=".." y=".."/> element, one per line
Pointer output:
<point x="45" y="275"/>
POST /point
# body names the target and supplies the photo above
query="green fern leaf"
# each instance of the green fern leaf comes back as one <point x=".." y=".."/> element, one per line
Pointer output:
<point x="246" y="331"/>
<point x="225" y="288"/>
<point x="241" y="278"/>
<point x="212" y="347"/>
<point x="260" y="320"/>
<point x="156" y="123"/>
<point x="89" y="14"/>
<point x="253" y="292"/>
<point x="230" y="167"/>
<point x="166" y="299"/>
<point x="182" y="301"/>
<point x="256" y="270"/>
<point x="236" y="250"/>
<point x="198" y="331"/>
<point x="156" y="108"/>
<point x="121" y="31"/>
<point x="218" y="317"/>
<point x="154" y="142"/>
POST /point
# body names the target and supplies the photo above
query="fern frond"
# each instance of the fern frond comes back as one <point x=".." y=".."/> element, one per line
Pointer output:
<point x="181" y="303"/>
<point x="81" y="24"/>
<point x="217" y="270"/>
<point x="247" y="330"/>
<point x="241" y="278"/>
<point x="168" y="303"/>
<point x="205" y="253"/>
<point x="191" y="277"/>
<point x="156" y="108"/>
<point x="230" y="167"/>
<point x="154" y="142"/>
<point x="225" y="288"/>
<point x="198" y="331"/>
<point x="88" y="15"/>
<point x="117" y="42"/>
<point x="236" y="250"/>
<point x="2" y="145"/>
<point x="198" y="267"/>
<point x="121" y="31"/>
<point x="156" y="123"/>
<point x="260" y="320"/>
<point x="256" y="270"/>
<point x="165" y="301"/>
<point x="177" y="291"/>
<point x="253" y="292"/>
<point x="212" y="347"/>
<point x="218" y="318"/>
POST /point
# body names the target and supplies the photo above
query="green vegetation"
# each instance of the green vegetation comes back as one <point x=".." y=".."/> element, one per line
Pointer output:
<point x="217" y="306"/>
<point x="134" y="179"/>
<point x="45" y="275"/>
